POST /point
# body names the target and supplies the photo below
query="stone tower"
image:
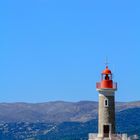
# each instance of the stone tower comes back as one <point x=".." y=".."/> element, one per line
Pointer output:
<point x="106" y="112"/>
<point x="106" y="109"/>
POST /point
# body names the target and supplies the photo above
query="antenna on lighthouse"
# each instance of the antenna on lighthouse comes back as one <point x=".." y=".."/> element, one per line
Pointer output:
<point x="106" y="62"/>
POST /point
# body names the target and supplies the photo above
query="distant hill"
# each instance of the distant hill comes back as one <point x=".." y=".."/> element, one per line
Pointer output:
<point x="127" y="121"/>
<point x="62" y="120"/>
<point x="58" y="111"/>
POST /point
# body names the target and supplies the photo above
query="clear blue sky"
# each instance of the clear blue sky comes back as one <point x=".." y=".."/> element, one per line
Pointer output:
<point x="55" y="49"/>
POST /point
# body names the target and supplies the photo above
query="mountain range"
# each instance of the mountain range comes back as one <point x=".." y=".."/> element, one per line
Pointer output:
<point x="61" y="120"/>
<point x="58" y="111"/>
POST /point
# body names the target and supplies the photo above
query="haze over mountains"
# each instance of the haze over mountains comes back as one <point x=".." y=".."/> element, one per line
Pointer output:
<point x="58" y="111"/>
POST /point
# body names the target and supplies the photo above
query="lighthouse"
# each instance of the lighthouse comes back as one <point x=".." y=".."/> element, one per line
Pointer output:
<point x="106" y="118"/>
<point x="106" y="109"/>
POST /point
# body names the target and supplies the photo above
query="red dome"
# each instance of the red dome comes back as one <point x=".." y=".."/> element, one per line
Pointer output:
<point x="106" y="71"/>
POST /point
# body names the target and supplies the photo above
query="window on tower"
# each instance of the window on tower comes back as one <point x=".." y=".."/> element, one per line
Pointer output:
<point x="106" y="104"/>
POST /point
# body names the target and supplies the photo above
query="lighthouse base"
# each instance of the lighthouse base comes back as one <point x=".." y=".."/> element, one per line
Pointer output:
<point x="94" y="136"/>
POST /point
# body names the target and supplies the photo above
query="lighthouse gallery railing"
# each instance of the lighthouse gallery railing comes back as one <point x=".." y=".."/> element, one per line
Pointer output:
<point x="98" y="85"/>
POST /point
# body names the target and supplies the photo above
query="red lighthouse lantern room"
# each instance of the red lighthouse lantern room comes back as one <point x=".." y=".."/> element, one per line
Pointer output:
<point x="106" y="80"/>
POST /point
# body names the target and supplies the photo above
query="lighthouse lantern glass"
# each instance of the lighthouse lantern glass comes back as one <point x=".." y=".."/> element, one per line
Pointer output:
<point x="106" y="77"/>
